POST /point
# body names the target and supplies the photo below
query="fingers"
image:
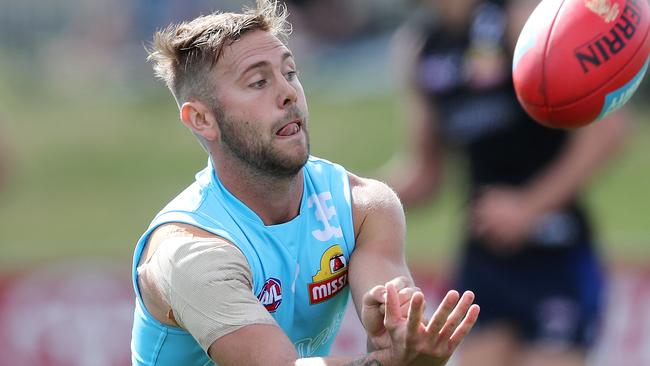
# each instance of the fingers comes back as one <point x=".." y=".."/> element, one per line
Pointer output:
<point x="401" y="303"/>
<point x="376" y="296"/>
<point x="415" y="314"/>
<point x="453" y="320"/>
<point x="448" y="326"/>
<point x="400" y="282"/>
<point x="457" y="315"/>
<point x="439" y="318"/>
<point x="393" y="316"/>
<point x="464" y="328"/>
<point x="405" y="289"/>
<point x="405" y="296"/>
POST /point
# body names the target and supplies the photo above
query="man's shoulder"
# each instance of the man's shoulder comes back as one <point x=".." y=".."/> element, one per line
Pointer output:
<point x="178" y="229"/>
<point x="376" y="209"/>
<point x="371" y="191"/>
<point x="371" y="196"/>
<point x="174" y="231"/>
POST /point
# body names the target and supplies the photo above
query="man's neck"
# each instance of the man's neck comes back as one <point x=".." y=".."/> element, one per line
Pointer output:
<point x="275" y="200"/>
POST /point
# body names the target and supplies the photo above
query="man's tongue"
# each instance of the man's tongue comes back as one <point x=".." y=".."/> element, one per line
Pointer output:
<point x="290" y="129"/>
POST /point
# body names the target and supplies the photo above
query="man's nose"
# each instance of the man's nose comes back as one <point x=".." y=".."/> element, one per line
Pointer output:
<point x="288" y="94"/>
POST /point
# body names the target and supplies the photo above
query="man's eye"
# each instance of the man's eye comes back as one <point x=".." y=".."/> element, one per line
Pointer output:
<point x="258" y="84"/>
<point x="291" y="75"/>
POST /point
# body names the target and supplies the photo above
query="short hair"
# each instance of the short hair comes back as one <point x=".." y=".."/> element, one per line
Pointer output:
<point x="184" y="53"/>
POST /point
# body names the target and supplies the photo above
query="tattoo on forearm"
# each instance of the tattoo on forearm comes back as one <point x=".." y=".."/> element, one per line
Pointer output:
<point x="365" y="361"/>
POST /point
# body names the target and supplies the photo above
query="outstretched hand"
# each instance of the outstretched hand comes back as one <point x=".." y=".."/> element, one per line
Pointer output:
<point x="415" y="343"/>
<point x="374" y="310"/>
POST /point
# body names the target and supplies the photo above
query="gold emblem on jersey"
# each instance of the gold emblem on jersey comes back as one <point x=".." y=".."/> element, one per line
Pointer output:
<point x="604" y="9"/>
<point x="332" y="276"/>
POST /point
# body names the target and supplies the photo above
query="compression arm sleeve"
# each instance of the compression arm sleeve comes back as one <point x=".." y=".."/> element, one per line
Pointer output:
<point x="208" y="284"/>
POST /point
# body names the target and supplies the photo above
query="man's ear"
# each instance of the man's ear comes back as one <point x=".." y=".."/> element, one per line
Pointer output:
<point x="200" y="119"/>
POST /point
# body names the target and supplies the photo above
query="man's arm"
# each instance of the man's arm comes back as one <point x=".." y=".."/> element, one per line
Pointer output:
<point x="268" y="345"/>
<point x="378" y="261"/>
<point x="415" y="341"/>
<point x="378" y="257"/>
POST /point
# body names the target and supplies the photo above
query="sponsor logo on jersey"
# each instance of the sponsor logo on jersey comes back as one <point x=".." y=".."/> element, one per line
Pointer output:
<point x="271" y="294"/>
<point x="332" y="276"/>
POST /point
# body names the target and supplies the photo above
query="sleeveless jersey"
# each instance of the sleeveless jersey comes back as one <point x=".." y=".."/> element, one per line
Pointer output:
<point x="299" y="267"/>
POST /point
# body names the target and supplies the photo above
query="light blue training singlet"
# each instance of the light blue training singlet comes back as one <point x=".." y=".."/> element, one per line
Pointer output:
<point x="299" y="267"/>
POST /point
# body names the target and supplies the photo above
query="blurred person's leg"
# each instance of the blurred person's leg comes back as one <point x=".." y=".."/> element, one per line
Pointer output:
<point x="540" y="356"/>
<point x="494" y="345"/>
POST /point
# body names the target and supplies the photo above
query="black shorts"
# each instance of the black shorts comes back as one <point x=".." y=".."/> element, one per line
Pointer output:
<point x="548" y="296"/>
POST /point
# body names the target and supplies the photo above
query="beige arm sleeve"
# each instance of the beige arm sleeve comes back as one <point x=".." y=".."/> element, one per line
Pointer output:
<point x="208" y="284"/>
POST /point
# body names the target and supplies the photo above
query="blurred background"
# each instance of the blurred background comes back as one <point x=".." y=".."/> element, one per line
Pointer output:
<point x="91" y="148"/>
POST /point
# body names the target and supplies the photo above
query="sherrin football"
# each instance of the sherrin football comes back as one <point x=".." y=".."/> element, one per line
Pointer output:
<point x="578" y="60"/>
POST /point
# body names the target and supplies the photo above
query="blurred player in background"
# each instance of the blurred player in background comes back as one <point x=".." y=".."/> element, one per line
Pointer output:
<point x="253" y="263"/>
<point x="528" y="247"/>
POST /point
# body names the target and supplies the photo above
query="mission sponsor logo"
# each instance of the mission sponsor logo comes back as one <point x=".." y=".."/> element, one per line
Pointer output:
<point x="332" y="276"/>
<point x="271" y="294"/>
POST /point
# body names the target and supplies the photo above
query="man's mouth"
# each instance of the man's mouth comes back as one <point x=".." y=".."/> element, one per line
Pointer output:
<point x="290" y="128"/>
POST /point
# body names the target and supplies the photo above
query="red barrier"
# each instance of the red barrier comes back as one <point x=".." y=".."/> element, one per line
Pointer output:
<point x="66" y="315"/>
<point x="81" y="315"/>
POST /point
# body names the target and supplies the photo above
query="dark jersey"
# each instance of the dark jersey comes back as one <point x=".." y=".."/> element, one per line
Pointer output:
<point x="467" y="76"/>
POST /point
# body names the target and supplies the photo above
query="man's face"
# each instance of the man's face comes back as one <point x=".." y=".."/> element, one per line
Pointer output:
<point x="262" y="112"/>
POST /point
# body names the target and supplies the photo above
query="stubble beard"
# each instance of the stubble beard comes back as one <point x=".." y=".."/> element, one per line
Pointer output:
<point x="246" y="144"/>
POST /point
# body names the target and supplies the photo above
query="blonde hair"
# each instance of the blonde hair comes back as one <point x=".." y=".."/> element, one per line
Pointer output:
<point x="182" y="54"/>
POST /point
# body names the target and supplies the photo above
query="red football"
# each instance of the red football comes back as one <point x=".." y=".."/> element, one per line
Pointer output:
<point x="577" y="60"/>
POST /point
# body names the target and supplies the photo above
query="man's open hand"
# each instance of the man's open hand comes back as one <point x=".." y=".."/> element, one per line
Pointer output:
<point x="414" y="342"/>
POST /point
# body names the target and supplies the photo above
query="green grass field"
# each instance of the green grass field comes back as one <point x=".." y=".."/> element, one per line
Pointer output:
<point x="89" y="170"/>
